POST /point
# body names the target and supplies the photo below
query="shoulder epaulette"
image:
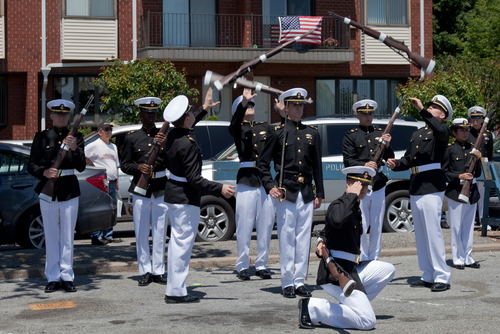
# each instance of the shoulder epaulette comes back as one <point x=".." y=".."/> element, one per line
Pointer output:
<point x="449" y="144"/>
<point x="191" y="138"/>
<point x="278" y="127"/>
<point x="380" y="129"/>
<point x="354" y="130"/>
<point x="130" y="132"/>
<point x="315" y="128"/>
<point x="260" y="123"/>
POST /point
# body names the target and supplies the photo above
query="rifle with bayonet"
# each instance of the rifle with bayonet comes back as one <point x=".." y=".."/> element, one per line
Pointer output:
<point x="248" y="66"/>
<point x="211" y="77"/>
<point x="379" y="151"/>
<point x="465" y="193"/>
<point x="48" y="189"/>
<point x="421" y="62"/>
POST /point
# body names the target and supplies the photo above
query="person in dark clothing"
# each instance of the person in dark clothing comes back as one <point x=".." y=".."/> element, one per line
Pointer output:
<point x="341" y="235"/>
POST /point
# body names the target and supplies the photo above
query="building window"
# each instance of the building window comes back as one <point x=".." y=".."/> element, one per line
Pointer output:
<point x="3" y="102"/>
<point x="386" y="12"/>
<point x="78" y="90"/>
<point x="336" y="96"/>
<point x="90" y="8"/>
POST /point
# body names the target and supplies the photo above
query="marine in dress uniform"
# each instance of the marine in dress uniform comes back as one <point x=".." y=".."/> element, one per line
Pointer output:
<point x="182" y="194"/>
<point x="149" y="208"/>
<point x="359" y="148"/>
<point x="341" y="235"/>
<point x="253" y="204"/>
<point x="301" y="165"/>
<point x="59" y="216"/>
<point x="427" y="184"/>
<point x="456" y="164"/>
<point x="476" y="120"/>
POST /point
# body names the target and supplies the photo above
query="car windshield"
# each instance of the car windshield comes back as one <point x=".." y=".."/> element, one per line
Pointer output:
<point x="229" y="153"/>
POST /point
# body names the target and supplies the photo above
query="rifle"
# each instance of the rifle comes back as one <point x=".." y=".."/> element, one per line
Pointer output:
<point x="381" y="143"/>
<point x="48" y="189"/>
<point x="142" y="185"/>
<point x="465" y="193"/>
<point x="211" y="77"/>
<point x="337" y="273"/>
<point x="421" y="62"/>
<point x="248" y="66"/>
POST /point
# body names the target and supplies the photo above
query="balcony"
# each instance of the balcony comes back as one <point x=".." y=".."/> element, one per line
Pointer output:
<point x="220" y="37"/>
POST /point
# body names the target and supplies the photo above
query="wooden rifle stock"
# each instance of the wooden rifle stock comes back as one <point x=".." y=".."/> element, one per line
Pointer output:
<point x="48" y="189"/>
<point x="142" y="185"/>
<point x="381" y="144"/>
<point x="465" y="193"/>
<point x="347" y="284"/>
<point x="426" y="64"/>
<point x="248" y="66"/>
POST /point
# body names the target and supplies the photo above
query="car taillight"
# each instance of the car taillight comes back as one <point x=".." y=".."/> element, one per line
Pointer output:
<point x="99" y="181"/>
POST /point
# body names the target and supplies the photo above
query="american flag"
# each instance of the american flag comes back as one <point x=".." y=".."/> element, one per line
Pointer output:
<point x="293" y="26"/>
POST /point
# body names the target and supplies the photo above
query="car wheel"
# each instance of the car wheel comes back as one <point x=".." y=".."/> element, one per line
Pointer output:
<point x="216" y="220"/>
<point x="398" y="216"/>
<point x="31" y="234"/>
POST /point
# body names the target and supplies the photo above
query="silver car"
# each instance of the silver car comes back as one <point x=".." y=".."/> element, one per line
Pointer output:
<point x="20" y="218"/>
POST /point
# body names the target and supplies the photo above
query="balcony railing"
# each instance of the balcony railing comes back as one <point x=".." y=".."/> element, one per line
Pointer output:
<point x="222" y="30"/>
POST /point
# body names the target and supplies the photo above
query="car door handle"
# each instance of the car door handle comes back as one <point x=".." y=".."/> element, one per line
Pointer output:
<point x="21" y="185"/>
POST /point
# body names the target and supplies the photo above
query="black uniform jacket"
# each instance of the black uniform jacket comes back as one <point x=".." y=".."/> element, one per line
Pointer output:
<point x="342" y="232"/>
<point x="249" y="138"/>
<point x="302" y="161"/>
<point x="486" y="145"/>
<point x="360" y="146"/>
<point x="184" y="160"/>
<point x="457" y="159"/>
<point x="136" y="147"/>
<point x="427" y="145"/>
<point x="44" y="150"/>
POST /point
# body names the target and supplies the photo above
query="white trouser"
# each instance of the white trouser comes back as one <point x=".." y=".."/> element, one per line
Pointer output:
<point x="294" y="233"/>
<point x="59" y="220"/>
<point x="372" y="211"/>
<point x="354" y="311"/>
<point x="253" y="205"/>
<point x="426" y="212"/>
<point x="462" y="218"/>
<point x="150" y="211"/>
<point x="184" y="221"/>
<point x="480" y="203"/>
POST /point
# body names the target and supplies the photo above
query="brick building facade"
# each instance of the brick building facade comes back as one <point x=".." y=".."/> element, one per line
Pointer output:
<point x="75" y="51"/>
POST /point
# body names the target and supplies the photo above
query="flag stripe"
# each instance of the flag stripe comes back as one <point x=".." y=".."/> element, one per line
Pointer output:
<point x="292" y="26"/>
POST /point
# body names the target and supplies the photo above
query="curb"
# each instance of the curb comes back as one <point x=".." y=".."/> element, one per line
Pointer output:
<point x="204" y="263"/>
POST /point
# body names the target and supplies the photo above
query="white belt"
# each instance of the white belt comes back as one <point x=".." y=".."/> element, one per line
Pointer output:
<point x="177" y="178"/>
<point x="344" y="255"/>
<point x="248" y="164"/>
<point x="157" y="175"/>
<point x="473" y="181"/>
<point x="425" y="168"/>
<point x="65" y="172"/>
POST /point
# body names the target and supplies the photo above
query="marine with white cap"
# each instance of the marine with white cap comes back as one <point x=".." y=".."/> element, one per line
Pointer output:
<point x="427" y="185"/>
<point x="455" y="166"/>
<point x="253" y="204"/>
<point x="59" y="216"/>
<point x="295" y="149"/>
<point x="183" y="191"/>
<point x="359" y="148"/>
<point x="150" y="208"/>
<point x="341" y="235"/>
<point x="476" y="119"/>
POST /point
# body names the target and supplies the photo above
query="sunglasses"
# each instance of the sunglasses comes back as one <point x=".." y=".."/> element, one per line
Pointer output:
<point x="476" y="117"/>
<point x="106" y="129"/>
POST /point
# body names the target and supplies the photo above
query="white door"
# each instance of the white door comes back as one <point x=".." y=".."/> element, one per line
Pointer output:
<point x="264" y="103"/>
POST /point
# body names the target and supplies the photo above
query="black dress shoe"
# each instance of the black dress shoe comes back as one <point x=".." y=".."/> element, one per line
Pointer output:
<point x="243" y="275"/>
<point x="159" y="279"/>
<point x="114" y="240"/>
<point x="473" y="265"/>
<point x="289" y="292"/>
<point x="145" y="279"/>
<point x="52" y="286"/>
<point x="99" y="242"/>
<point x="440" y="287"/>
<point x="183" y="299"/>
<point x="302" y="291"/>
<point x="68" y="286"/>
<point x="304" y="318"/>
<point x="263" y="273"/>
<point x="445" y="225"/>
<point x="421" y="284"/>
<point x="459" y="266"/>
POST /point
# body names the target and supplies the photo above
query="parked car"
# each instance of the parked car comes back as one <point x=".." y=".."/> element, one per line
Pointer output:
<point x="20" y="218"/>
<point x="216" y="215"/>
